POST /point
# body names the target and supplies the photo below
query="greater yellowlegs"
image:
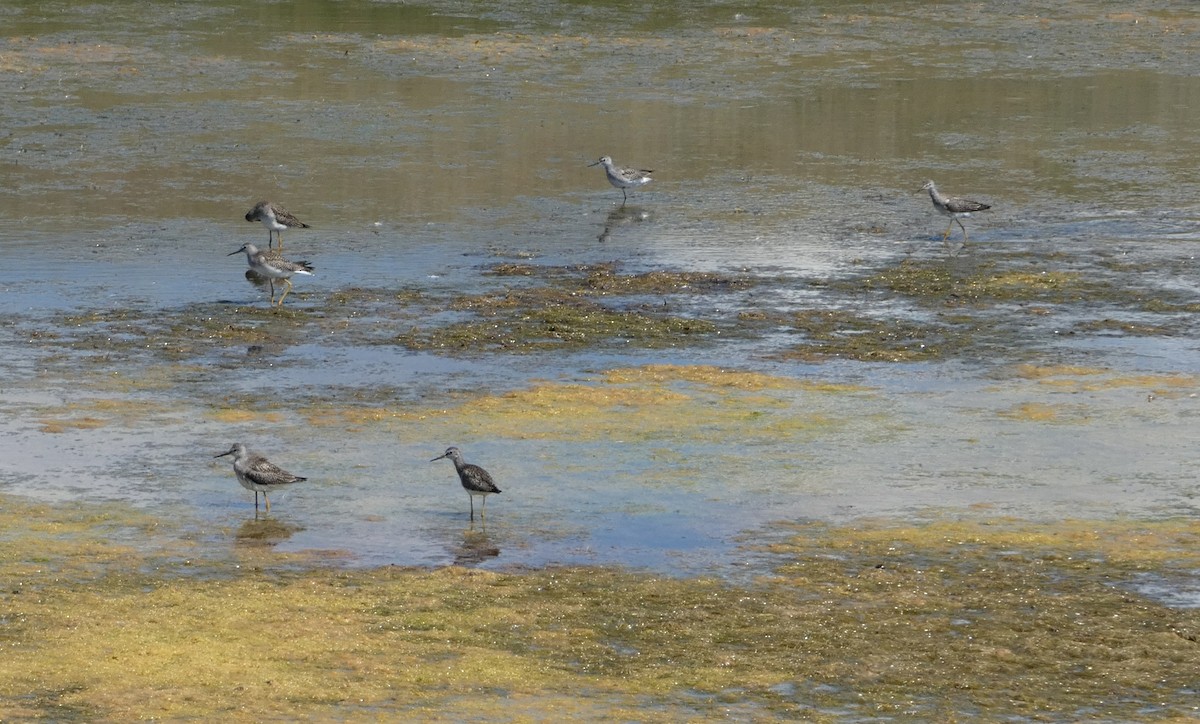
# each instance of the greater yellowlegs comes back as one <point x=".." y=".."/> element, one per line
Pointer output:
<point x="475" y="480"/>
<point x="623" y="178"/>
<point x="271" y="265"/>
<point x="953" y="207"/>
<point x="275" y="218"/>
<point x="257" y="473"/>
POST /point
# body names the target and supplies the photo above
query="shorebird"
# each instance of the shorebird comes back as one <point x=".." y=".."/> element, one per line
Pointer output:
<point x="953" y="207"/>
<point x="271" y="265"/>
<point x="257" y="473"/>
<point x="475" y="480"/>
<point x="275" y="218"/>
<point x="623" y="178"/>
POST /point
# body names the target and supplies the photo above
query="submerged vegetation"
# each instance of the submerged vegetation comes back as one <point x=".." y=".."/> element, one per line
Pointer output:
<point x="941" y="620"/>
<point x="964" y="306"/>
<point x="573" y="310"/>
<point x="938" y="307"/>
<point x="584" y="307"/>
<point x="534" y="321"/>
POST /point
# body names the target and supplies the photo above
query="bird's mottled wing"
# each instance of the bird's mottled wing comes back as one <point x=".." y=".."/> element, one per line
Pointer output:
<point x="274" y="259"/>
<point x="965" y="206"/>
<point x="261" y="471"/>
<point x="476" y="478"/>
<point x="297" y="267"/>
<point x="285" y="217"/>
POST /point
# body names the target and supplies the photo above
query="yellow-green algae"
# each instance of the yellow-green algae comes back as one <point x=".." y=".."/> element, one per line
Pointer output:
<point x="1042" y="412"/>
<point x="103" y="412"/>
<point x="696" y="402"/>
<point x="1058" y="382"/>
<point x="1072" y="378"/>
<point x="947" y="620"/>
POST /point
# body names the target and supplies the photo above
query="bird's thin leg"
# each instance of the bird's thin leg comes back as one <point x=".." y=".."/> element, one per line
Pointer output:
<point x="280" y="232"/>
<point x="271" y="285"/>
<point x="270" y="238"/>
<point x="483" y="508"/>
<point x="472" y="499"/>
<point x="268" y="501"/>
<point x="960" y="225"/>
<point x="624" y="197"/>
<point x="948" y="228"/>
<point x="255" y="501"/>
<point x="288" y="282"/>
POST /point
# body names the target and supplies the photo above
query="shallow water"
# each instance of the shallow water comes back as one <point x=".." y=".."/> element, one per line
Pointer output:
<point x="427" y="144"/>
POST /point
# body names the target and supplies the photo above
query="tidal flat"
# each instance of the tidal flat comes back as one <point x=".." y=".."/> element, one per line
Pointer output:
<point x="994" y="618"/>
<point x="770" y="446"/>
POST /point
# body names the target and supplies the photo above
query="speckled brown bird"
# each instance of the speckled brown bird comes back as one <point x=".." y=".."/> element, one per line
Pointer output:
<point x="276" y="219"/>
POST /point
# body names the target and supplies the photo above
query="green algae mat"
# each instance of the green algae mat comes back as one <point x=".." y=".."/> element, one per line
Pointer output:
<point x="107" y="614"/>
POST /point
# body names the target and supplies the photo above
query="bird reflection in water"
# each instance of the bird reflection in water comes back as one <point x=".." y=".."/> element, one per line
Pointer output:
<point x="263" y="532"/>
<point x="622" y="216"/>
<point x="476" y="548"/>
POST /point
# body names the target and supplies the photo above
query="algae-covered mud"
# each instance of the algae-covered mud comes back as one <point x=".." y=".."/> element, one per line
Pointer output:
<point x="996" y="619"/>
<point x="768" y="446"/>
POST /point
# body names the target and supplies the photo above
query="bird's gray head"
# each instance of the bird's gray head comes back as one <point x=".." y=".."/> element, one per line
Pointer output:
<point x="605" y="160"/>
<point x="238" y="451"/>
<point x="250" y="249"/>
<point x="451" y="452"/>
<point x="928" y="185"/>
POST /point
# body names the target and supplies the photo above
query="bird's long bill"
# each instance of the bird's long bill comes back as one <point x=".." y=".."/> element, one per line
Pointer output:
<point x="593" y="164"/>
<point x="230" y="452"/>
<point x="236" y="251"/>
<point x="439" y="457"/>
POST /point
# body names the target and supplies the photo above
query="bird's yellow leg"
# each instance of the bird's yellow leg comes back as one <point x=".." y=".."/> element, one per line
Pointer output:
<point x="268" y="501"/>
<point x="288" y="282"/>
<point x="948" y="228"/>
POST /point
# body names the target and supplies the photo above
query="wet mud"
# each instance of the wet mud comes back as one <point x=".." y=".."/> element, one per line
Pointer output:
<point x="942" y="619"/>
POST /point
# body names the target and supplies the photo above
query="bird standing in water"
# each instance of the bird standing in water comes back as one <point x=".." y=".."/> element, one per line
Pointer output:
<point x="276" y="219"/>
<point x="623" y="178"/>
<point x="953" y="207"/>
<point x="475" y="480"/>
<point x="257" y="473"/>
<point x="271" y="265"/>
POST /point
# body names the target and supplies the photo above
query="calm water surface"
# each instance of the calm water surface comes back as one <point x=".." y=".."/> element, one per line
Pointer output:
<point x="428" y="142"/>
